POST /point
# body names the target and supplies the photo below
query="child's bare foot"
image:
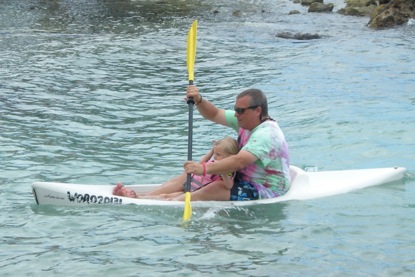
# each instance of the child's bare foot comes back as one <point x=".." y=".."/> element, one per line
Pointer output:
<point x="117" y="189"/>
<point x="128" y="192"/>
<point x="120" y="190"/>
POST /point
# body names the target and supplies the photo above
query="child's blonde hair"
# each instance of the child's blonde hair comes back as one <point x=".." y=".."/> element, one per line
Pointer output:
<point x="229" y="145"/>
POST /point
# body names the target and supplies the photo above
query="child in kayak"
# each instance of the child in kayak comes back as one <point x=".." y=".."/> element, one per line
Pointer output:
<point x="221" y="149"/>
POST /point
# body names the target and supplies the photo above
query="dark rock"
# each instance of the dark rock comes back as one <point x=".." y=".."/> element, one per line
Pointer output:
<point x="237" y="13"/>
<point x="320" y="7"/>
<point x="396" y="12"/>
<point x="294" y="12"/>
<point x="298" y="36"/>
<point x="309" y="2"/>
<point x="359" y="7"/>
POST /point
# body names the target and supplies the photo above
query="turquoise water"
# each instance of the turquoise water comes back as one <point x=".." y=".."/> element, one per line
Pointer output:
<point x="92" y="92"/>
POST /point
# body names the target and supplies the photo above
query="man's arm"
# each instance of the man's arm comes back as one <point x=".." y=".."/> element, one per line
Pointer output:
<point x="229" y="164"/>
<point x="206" y="108"/>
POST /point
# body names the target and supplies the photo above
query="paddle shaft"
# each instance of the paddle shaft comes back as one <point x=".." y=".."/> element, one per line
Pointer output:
<point x="190" y="103"/>
<point x="190" y="60"/>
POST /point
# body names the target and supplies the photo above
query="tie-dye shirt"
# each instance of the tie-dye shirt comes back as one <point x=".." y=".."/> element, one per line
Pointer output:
<point x="270" y="174"/>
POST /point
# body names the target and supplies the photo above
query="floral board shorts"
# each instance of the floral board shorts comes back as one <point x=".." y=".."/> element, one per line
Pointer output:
<point x="243" y="190"/>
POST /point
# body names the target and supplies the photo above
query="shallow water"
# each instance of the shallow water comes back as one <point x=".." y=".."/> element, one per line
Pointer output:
<point x="92" y="92"/>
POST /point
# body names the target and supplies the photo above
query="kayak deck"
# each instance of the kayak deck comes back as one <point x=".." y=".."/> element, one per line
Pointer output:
<point x="304" y="185"/>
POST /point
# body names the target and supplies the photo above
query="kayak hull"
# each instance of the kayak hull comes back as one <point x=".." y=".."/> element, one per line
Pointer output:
<point x="305" y="185"/>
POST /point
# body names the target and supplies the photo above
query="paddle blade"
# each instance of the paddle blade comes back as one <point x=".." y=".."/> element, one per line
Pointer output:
<point x="191" y="51"/>
<point x="187" y="207"/>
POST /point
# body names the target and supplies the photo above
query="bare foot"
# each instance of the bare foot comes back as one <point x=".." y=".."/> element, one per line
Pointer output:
<point x="120" y="190"/>
<point x="128" y="192"/>
<point x="117" y="189"/>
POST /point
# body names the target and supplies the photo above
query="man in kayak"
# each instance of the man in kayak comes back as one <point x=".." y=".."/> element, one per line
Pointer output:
<point x="262" y="164"/>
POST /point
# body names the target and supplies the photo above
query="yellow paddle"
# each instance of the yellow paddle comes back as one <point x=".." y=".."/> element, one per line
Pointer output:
<point x="190" y="60"/>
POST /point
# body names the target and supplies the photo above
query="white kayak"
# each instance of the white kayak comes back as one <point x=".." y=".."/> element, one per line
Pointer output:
<point x="304" y="185"/>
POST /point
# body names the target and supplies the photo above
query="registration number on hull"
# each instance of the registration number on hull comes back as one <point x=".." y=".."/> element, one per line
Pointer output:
<point x="92" y="199"/>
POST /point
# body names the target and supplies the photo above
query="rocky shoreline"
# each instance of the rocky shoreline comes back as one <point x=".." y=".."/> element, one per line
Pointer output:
<point x="383" y="13"/>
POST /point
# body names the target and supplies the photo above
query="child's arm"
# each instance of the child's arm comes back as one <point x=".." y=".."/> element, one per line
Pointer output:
<point x="207" y="156"/>
<point x="228" y="179"/>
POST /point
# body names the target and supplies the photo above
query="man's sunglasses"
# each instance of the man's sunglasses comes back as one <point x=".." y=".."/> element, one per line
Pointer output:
<point x="242" y="110"/>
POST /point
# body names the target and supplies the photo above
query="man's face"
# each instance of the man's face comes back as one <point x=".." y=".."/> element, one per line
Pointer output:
<point x="248" y="116"/>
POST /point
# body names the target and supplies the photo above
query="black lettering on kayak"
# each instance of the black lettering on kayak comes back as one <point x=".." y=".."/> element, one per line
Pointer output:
<point x="93" y="199"/>
<point x="86" y="198"/>
<point x="70" y="197"/>
<point x="53" y="197"/>
<point x="80" y="198"/>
